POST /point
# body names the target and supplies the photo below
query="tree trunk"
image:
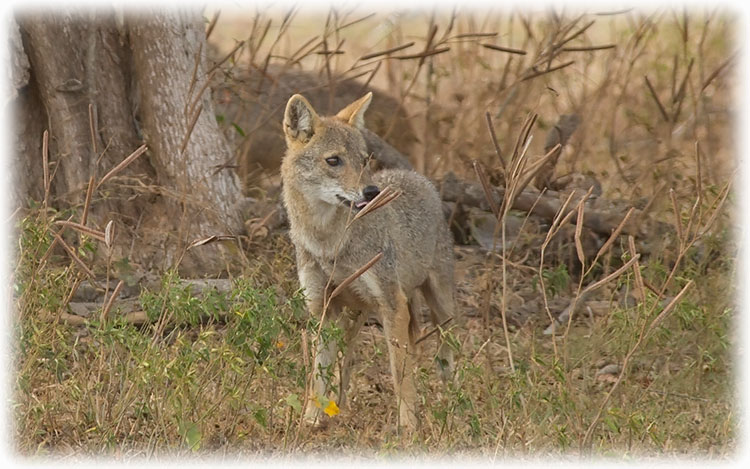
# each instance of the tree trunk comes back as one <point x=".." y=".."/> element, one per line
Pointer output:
<point x="107" y="84"/>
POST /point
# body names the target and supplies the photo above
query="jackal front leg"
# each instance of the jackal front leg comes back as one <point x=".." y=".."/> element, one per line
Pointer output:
<point x="313" y="281"/>
<point x="401" y="350"/>
<point x="326" y="352"/>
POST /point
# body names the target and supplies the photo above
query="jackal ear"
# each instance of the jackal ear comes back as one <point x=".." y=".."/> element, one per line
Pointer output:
<point x="300" y="120"/>
<point x="354" y="113"/>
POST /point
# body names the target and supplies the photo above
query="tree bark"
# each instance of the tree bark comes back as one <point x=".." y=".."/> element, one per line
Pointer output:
<point x="107" y="84"/>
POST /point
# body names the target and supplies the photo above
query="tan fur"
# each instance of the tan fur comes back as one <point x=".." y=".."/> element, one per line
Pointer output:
<point x="411" y="232"/>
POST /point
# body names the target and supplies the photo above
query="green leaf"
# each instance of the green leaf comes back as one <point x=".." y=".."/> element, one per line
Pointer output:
<point x="238" y="129"/>
<point x="293" y="401"/>
<point x="192" y="434"/>
<point x="261" y="417"/>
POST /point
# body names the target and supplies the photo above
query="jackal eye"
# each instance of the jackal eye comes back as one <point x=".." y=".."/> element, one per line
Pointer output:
<point x="333" y="161"/>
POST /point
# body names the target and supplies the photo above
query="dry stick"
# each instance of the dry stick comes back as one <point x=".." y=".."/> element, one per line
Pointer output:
<point x="191" y="126"/>
<point x="194" y="77"/>
<point x="718" y="70"/>
<point x="510" y="50"/>
<point x="533" y="171"/>
<point x="66" y="300"/>
<point x="434" y="329"/>
<point x="199" y="94"/>
<point x="83" y="229"/>
<point x="428" y="44"/>
<point x="577" y="235"/>
<point x="92" y="125"/>
<point x="614" y="234"/>
<point x="678" y="221"/>
<point x="523" y="136"/>
<point x="656" y="99"/>
<point x="588" y="48"/>
<point x="680" y="97"/>
<point x="123" y="164"/>
<point x="369" y="79"/>
<point x="87" y="201"/>
<point x="212" y="24"/>
<point x="567" y="315"/>
<point x="221" y="62"/>
<point x="638" y="279"/>
<point x="110" y="302"/>
<point x="387" y="51"/>
<point x="495" y="144"/>
<point x="471" y="35"/>
<point x="479" y="170"/>
<point x="358" y="273"/>
<point x="575" y="34"/>
<point x="535" y="74"/>
<point x="613" y="13"/>
<point x="719" y="201"/>
<point x="698" y="175"/>
<point x="423" y="55"/>
<point x="77" y="259"/>
<point x="257" y="41"/>
<point x="45" y="165"/>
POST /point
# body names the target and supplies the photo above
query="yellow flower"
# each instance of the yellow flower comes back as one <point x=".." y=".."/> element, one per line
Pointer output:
<point x="331" y="409"/>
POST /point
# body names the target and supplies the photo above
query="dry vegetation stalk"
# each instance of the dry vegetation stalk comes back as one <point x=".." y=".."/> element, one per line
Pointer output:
<point x="45" y="166"/>
<point x="123" y="164"/>
<point x="108" y="305"/>
<point x="75" y="258"/>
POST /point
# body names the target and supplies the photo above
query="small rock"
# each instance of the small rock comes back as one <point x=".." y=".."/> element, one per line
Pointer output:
<point x="608" y="373"/>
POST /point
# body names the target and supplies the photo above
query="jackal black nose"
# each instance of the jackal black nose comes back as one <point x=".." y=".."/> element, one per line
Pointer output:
<point x="370" y="192"/>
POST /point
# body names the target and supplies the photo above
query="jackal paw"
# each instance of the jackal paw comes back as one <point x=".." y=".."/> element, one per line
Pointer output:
<point x="315" y="418"/>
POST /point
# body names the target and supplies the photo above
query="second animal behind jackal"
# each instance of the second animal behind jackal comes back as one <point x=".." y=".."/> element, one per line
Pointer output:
<point x="326" y="180"/>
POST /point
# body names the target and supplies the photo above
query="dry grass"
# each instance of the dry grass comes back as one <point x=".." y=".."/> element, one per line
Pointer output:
<point x="649" y="372"/>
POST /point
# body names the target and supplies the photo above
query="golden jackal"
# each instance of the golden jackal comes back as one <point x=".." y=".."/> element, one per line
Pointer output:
<point x="326" y="180"/>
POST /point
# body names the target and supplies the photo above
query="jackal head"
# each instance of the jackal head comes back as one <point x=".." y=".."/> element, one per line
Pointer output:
<point x="326" y="157"/>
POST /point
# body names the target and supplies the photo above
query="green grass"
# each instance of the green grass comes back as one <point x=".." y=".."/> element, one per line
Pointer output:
<point x="227" y="374"/>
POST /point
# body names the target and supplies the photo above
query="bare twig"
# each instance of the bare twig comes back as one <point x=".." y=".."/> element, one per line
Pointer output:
<point x="110" y="302"/>
<point x="510" y="50"/>
<point x="45" y="165"/>
<point x="190" y="128"/>
<point x="589" y="48"/>
<point x="123" y="164"/>
<point x="423" y="55"/>
<point x="656" y="99"/>
<point x="434" y="329"/>
<point x="495" y="144"/>
<point x="387" y="51"/>
<point x="76" y="259"/>
<point x="347" y="281"/>
<point x="83" y="229"/>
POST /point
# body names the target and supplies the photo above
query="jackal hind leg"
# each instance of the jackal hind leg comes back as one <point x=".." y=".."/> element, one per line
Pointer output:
<point x="438" y="293"/>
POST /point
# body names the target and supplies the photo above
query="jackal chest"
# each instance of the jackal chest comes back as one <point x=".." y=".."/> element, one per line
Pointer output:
<point x="363" y="291"/>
